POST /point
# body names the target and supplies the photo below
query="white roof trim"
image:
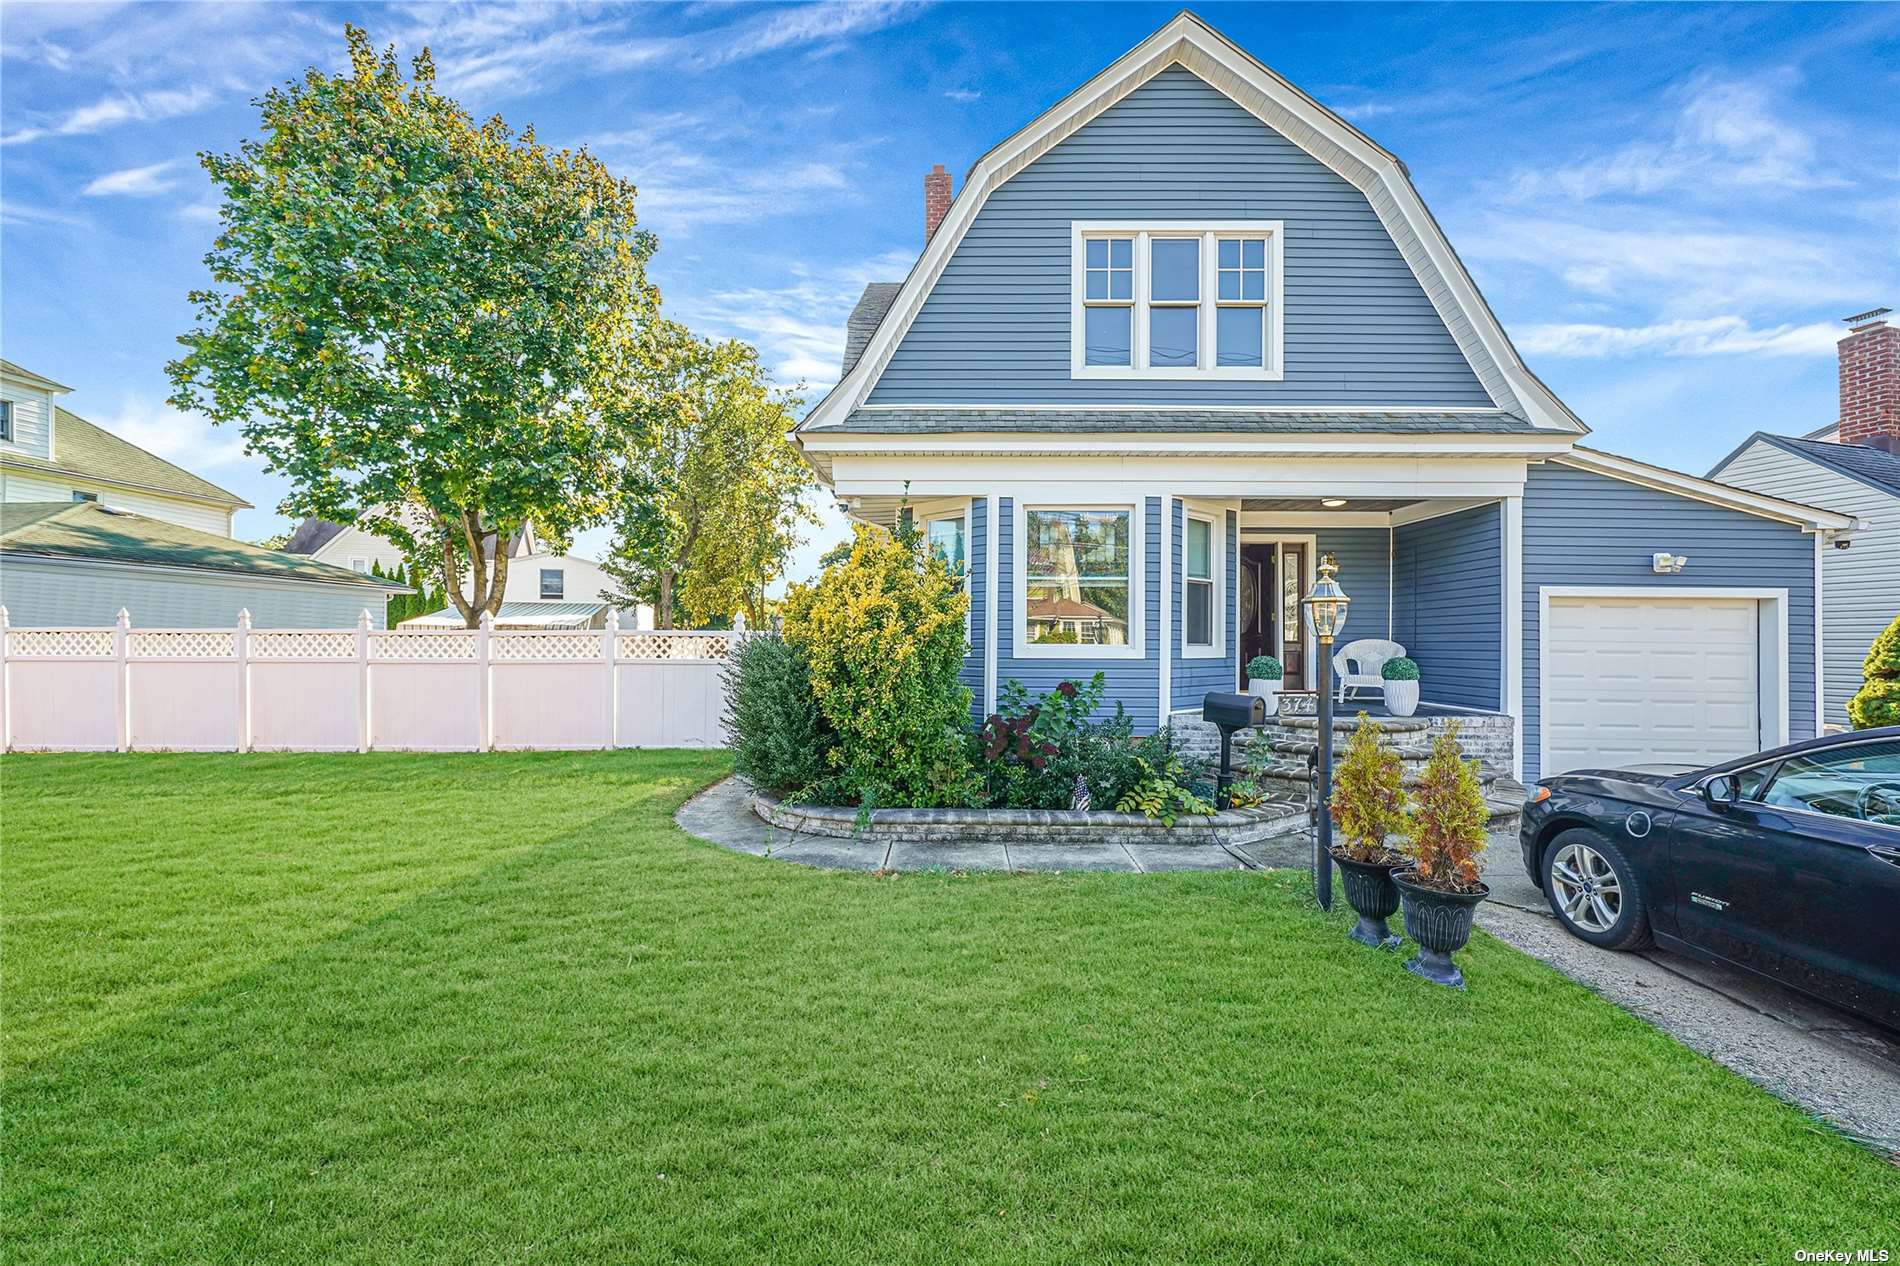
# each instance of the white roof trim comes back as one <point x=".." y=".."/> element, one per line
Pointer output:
<point x="1188" y="41"/>
<point x="1629" y="470"/>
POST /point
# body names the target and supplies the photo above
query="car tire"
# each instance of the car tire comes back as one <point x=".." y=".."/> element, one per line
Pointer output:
<point x="1594" y="892"/>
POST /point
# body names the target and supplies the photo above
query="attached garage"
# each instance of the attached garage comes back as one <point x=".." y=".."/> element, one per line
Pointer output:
<point x="1681" y="678"/>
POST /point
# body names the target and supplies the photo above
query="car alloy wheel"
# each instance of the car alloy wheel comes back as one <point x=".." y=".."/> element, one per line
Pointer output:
<point x="1587" y="889"/>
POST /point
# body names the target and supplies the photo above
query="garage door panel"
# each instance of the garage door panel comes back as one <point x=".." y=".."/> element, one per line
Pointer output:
<point x="1635" y="680"/>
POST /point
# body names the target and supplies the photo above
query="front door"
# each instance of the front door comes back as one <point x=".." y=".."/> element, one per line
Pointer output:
<point x="1268" y="575"/>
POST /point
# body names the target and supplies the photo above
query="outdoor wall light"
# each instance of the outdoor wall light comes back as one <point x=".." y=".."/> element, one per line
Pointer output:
<point x="1664" y="564"/>
<point x="1332" y="503"/>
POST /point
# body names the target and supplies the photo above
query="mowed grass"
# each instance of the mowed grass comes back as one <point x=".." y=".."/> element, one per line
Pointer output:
<point x="480" y="1008"/>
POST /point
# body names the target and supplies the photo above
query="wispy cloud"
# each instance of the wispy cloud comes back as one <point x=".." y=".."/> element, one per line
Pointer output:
<point x="1726" y="134"/>
<point x="806" y="24"/>
<point x="135" y="182"/>
<point x="107" y="112"/>
<point x="963" y="95"/>
<point x="695" y="170"/>
<point x="185" y="439"/>
<point x="1707" y="336"/>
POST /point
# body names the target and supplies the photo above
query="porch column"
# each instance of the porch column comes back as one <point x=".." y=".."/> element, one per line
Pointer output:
<point x="1166" y="631"/>
<point x="1511" y="688"/>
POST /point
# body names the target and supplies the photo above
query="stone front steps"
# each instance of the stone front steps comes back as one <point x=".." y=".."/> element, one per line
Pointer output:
<point x="1276" y="758"/>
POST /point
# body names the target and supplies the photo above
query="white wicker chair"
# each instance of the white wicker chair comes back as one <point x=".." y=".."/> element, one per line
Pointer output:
<point x="1358" y="664"/>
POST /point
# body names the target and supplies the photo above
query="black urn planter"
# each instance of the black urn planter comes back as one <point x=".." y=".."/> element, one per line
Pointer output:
<point x="1370" y="891"/>
<point x="1441" y="923"/>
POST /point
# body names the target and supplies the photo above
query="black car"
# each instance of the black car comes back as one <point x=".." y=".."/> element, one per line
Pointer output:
<point x="1786" y="863"/>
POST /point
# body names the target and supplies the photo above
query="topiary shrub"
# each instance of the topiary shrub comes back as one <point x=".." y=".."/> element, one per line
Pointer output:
<point x="1877" y="702"/>
<point x="1399" y="668"/>
<point x="1368" y="801"/>
<point x="777" y="734"/>
<point x="1447" y="829"/>
<point x="882" y="632"/>
<point x="1265" y="668"/>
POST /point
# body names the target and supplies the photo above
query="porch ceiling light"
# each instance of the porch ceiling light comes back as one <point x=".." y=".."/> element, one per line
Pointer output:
<point x="1332" y="503"/>
<point x="1326" y="604"/>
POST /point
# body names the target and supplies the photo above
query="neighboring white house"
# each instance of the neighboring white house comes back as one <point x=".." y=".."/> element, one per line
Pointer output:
<point x="535" y="574"/>
<point x="50" y="455"/>
<point x="1853" y="467"/>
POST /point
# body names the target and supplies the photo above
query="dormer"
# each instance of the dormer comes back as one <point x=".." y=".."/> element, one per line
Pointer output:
<point x="27" y="402"/>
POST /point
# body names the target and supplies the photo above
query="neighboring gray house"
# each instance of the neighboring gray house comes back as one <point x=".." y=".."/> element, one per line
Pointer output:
<point x="1188" y="331"/>
<point x="1855" y="471"/>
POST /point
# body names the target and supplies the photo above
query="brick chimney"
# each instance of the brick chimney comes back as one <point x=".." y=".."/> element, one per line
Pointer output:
<point x="936" y="200"/>
<point x="1870" y="381"/>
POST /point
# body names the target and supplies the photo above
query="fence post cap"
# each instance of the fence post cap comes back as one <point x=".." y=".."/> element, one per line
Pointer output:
<point x="738" y="622"/>
<point x="125" y="618"/>
<point x="613" y="618"/>
<point x="488" y="619"/>
<point x="244" y="617"/>
<point x="3" y="615"/>
<point x="362" y="619"/>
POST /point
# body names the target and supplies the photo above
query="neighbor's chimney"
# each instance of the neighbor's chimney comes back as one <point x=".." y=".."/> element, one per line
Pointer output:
<point x="936" y="200"/>
<point x="1870" y="381"/>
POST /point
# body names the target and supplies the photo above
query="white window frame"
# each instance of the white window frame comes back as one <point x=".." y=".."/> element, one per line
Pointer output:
<point x="1137" y="584"/>
<point x="954" y="510"/>
<point x="541" y="583"/>
<point x="1273" y="368"/>
<point x="1216" y="557"/>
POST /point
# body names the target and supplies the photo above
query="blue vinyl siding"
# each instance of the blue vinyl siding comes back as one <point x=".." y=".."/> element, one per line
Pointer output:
<point x="978" y="530"/>
<point x="1135" y="683"/>
<point x="1191" y="679"/>
<point x="1364" y="555"/>
<point x="1359" y="328"/>
<point x="1448" y="589"/>
<point x="1587" y="529"/>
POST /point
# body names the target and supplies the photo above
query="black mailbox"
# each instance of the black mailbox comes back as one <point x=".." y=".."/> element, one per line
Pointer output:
<point x="1233" y="712"/>
<point x="1229" y="712"/>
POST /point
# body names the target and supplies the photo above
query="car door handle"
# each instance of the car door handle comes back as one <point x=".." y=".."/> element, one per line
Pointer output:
<point x="1891" y="856"/>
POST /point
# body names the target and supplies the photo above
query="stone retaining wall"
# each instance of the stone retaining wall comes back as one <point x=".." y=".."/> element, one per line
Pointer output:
<point x="1233" y="826"/>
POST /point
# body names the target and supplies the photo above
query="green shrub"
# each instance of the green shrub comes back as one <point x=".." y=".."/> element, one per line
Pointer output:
<point x="1163" y="791"/>
<point x="1399" y="668"/>
<point x="882" y="632"/>
<point x="1032" y="752"/>
<point x="1368" y="800"/>
<point x="1447" y="830"/>
<point x="1877" y="702"/>
<point x="1266" y="668"/>
<point x="776" y="732"/>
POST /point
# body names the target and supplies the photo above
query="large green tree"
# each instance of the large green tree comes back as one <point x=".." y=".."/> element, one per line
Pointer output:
<point x="711" y="502"/>
<point x="430" y="326"/>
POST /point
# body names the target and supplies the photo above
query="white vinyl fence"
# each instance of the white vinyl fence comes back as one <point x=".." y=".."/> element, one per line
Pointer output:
<point x="358" y="690"/>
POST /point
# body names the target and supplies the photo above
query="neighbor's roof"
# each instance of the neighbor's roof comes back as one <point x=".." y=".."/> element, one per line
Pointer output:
<point x="26" y="375"/>
<point x="891" y="420"/>
<point x="311" y="535"/>
<point x="88" y="531"/>
<point x="86" y="451"/>
<point x="866" y="317"/>
<point x="522" y="615"/>
<point x="1870" y="466"/>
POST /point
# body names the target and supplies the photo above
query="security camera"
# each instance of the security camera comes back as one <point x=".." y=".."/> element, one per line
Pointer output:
<point x="1842" y="542"/>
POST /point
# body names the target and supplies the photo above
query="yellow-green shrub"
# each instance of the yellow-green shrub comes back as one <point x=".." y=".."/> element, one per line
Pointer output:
<point x="1877" y="702"/>
<point x="883" y="634"/>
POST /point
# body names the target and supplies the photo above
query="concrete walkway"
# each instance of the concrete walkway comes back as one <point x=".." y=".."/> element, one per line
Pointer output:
<point x="1823" y="1061"/>
<point x="723" y="815"/>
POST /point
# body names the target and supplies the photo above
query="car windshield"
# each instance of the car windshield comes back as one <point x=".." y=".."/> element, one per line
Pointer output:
<point x="1861" y="781"/>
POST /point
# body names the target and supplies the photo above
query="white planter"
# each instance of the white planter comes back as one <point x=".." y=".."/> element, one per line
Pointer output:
<point x="1401" y="697"/>
<point x="1265" y="689"/>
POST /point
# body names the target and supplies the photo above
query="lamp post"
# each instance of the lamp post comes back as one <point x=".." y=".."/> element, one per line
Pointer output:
<point x="1326" y="613"/>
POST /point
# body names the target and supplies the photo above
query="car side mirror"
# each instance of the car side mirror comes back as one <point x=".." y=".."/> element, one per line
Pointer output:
<point x="1722" y="793"/>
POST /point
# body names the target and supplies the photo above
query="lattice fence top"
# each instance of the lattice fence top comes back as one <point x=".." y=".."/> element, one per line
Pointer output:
<point x="303" y="644"/>
<point x="674" y="645"/>
<point x="182" y="644"/>
<point x="61" y="643"/>
<point x="449" y="645"/>
<point x="549" y="645"/>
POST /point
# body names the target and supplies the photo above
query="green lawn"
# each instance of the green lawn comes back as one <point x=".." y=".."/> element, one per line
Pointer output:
<point x="394" y="1008"/>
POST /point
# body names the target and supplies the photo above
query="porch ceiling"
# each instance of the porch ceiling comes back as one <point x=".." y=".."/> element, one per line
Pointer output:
<point x="1313" y="505"/>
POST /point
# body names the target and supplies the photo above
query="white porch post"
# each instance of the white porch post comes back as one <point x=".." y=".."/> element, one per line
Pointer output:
<point x="993" y="547"/>
<point x="1166" y="632"/>
<point x="1512" y="687"/>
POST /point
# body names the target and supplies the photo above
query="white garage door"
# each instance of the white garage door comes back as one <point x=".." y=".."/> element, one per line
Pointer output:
<point x="1633" y="680"/>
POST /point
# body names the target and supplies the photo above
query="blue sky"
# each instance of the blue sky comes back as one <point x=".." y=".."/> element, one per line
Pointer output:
<point x="1669" y="207"/>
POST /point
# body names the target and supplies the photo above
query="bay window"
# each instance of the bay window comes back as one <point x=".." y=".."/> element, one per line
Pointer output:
<point x="1177" y="300"/>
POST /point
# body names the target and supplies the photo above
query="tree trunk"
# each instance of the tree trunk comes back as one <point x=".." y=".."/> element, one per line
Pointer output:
<point x="663" y="614"/>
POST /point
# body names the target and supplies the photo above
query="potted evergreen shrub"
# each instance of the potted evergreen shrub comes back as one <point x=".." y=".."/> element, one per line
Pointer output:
<point x="1401" y="686"/>
<point x="1264" y="675"/>
<point x="1368" y="807"/>
<point x="1441" y="889"/>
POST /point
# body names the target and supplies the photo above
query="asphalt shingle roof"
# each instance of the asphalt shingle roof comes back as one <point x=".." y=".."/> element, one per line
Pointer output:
<point x="311" y="535"/>
<point x="927" y="421"/>
<point x="872" y="306"/>
<point x="88" y="530"/>
<point x="92" y="452"/>
<point x="1856" y="461"/>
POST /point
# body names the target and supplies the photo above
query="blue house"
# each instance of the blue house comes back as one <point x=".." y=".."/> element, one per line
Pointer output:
<point x="1189" y="331"/>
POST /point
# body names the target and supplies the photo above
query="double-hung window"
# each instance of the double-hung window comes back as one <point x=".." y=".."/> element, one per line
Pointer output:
<point x="6" y="419"/>
<point x="553" y="584"/>
<point x="1177" y="300"/>
<point x="1078" y="578"/>
<point x="1197" y="578"/>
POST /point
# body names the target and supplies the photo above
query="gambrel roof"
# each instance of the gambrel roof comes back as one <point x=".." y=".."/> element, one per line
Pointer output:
<point x="1189" y="42"/>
